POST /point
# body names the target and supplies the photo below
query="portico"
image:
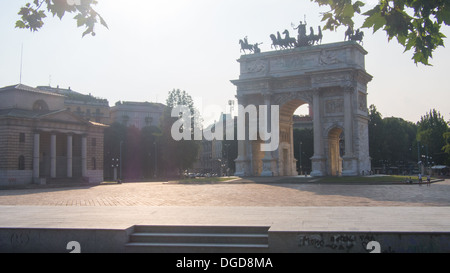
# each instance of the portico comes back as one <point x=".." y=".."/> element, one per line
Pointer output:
<point x="45" y="144"/>
<point x="59" y="154"/>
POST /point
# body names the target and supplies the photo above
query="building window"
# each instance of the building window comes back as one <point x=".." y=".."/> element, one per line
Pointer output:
<point x="40" y="105"/>
<point x="21" y="162"/>
<point x="22" y="137"/>
<point x="94" y="164"/>
<point x="94" y="142"/>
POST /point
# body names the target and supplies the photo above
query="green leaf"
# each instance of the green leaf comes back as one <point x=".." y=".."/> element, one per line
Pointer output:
<point x="443" y="16"/>
<point x="401" y="39"/>
<point x="103" y="22"/>
<point x="20" y="24"/>
<point x="375" y="21"/>
<point x="89" y="30"/>
<point x="357" y="6"/>
<point x="348" y="11"/>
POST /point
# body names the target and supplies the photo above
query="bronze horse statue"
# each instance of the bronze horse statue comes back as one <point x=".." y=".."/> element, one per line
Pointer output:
<point x="287" y="42"/>
<point x="357" y="36"/>
<point x="246" y="46"/>
<point x="313" y="39"/>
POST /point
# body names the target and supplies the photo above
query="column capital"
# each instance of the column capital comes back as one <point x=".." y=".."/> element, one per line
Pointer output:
<point x="242" y="99"/>
<point x="348" y="88"/>
<point x="267" y="96"/>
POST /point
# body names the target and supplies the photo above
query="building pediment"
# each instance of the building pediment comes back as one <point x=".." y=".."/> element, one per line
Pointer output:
<point x="64" y="116"/>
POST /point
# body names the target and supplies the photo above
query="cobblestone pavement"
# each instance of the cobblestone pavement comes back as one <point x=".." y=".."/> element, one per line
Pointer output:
<point x="232" y="194"/>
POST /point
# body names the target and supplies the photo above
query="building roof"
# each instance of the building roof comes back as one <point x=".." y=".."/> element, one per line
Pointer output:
<point x="137" y="106"/>
<point x="22" y="113"/>
<point x="23" y="87"/>
<point x="73" y="97"/>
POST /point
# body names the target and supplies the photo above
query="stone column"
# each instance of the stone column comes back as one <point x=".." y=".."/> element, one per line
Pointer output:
<point x="84" y="156"/>
<point x="53" y="155"/>
<point x="291" y="154"/>
<point x="69" y="155"/>
<point x="348" y="124"/>
<point x="36" y="152"/>
<point x="242" y="161"/>
<point x="268" y="162"/>
<point x="318" y="159"/>
<point x="349" y="167"/>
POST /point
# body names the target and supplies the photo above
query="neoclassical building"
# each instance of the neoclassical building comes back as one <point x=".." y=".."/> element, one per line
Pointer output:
<point x="43" y="142"/>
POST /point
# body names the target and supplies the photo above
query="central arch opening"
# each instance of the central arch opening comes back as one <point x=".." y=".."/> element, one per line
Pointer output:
<point x="296" y="138"/>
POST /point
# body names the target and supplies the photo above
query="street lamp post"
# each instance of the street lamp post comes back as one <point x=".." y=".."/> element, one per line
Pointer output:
<point x="300" y="157"/>
<point x="120" y="161"/>
<point x="115" y="165"/>
<point x="228" y="158"/>
<point x="156" y="160"/>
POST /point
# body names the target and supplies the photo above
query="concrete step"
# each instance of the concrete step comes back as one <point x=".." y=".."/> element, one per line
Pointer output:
<point x="225" y="238"/>
<point x="191" y="239"/>
<point x="194" y="248"/>
<point x="202" y="229"/>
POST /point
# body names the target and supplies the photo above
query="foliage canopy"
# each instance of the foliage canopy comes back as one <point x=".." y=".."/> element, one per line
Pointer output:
<point x="34" y="13"/>
<point x="415" y="23"/>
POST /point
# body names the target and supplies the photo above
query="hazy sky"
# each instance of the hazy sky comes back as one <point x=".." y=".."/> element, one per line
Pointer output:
<point x="152" y="47"/>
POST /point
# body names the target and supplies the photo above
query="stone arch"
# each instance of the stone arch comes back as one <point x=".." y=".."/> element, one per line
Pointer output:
<point x="333" y="89"/>
<point x="40" y="105"/>
<point x="287" y="163"/>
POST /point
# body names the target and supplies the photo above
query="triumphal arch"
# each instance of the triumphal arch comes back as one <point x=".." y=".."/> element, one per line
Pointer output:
<point x="332" y="79"/>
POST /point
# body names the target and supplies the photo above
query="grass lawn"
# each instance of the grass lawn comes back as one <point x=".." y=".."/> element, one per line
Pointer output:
<point x="374" y="179"/>
<point x="205" y="179"/>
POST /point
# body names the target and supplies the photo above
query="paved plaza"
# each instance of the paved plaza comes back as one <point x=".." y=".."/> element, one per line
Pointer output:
<point x="284" y="206"/>
<point x="289" y="209"/>
<point x="240" y="192"/>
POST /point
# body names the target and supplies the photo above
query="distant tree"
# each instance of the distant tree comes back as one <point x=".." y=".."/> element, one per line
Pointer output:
<point x="150" y="141"/>
<point x="392" y="141"/>
<point x="446" y="148"/>
<point x="178" y="155"/>
<point x="34" y="13"/>
<point x="431" y="130"/>
<point x="376" y="148"/>
<point x="398" y="139"/>
<point x="113" y="136"/>
<point x="415" y="23"/>
<point x="230" y="147"/>
<point x="132" y="154"/>
<point x="306" y="138"/>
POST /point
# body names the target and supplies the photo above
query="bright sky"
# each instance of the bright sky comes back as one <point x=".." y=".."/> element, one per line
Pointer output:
<point x="152" y="47"/>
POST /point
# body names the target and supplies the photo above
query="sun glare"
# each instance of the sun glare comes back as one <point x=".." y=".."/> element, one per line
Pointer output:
<point x="153" y="10"/>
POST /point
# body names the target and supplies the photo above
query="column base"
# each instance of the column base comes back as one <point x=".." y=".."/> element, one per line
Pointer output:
<point x="269" y="167"/>
<point x="242" y="167"/>
<point x="39" y="180"/>
<point x="349" y="166"/>
<point x="318" y="164"/>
